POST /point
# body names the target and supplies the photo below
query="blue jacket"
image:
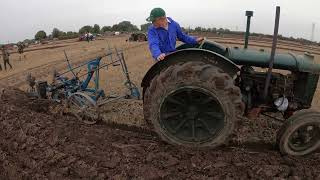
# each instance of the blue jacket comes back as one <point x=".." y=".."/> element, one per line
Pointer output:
<point x="164" y="41"/>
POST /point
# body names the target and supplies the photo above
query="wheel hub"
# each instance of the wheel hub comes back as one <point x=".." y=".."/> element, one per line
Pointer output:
<point x="191" y="114"/>
<point x="304" y="137"/>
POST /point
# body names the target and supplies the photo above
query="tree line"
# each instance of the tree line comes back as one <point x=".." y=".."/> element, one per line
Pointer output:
<point x="124" y="26"/>
<point x="127" y="26"/>
<point x="242" y="33"/>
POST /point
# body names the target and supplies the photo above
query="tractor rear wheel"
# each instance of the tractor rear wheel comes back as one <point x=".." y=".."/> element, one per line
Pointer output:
<point x="300" y="134"/>
<point x="193" y="104"/>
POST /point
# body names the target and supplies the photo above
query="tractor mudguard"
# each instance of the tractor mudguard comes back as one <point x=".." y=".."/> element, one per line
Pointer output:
<point x="192" y="54"/>
<point x="208" y="45"/>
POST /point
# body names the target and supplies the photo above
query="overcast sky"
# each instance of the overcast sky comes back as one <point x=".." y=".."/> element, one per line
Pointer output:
<point x="21" y="19"/>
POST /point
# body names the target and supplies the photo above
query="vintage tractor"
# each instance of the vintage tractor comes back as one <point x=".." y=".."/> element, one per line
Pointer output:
<point x="138" y="37"/>
<point x="198" y="94"/>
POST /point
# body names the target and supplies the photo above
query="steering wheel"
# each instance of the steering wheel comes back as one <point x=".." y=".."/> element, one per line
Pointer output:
<point x="203" y="42"/>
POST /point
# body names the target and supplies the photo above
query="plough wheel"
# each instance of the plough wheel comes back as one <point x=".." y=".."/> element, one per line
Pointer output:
<point x="84" y="108"/>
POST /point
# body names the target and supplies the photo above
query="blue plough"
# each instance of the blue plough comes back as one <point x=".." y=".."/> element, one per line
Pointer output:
<point x="81" y="100"/>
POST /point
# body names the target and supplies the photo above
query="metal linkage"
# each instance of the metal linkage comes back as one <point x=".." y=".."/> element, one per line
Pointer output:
<point x="83" y="101"/>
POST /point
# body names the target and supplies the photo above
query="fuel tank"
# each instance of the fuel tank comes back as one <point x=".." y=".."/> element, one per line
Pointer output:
<point x="260" y="58"/>
<point x="285" y="61"/>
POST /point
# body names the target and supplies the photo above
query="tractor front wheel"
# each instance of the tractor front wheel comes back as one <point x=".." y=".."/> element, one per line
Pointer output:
<point x="300" y="134"/>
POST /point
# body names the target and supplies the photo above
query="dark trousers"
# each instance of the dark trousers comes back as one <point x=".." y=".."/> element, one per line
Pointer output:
<point x="5" y="62"/>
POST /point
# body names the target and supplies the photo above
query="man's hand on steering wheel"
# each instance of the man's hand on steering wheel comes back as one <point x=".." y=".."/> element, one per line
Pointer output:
<point x="161" y="57"/>
<point x="200" y="39"/>
<point x="201" y="42"/>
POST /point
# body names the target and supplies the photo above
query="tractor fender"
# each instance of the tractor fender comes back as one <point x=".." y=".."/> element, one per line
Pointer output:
<point x="195" y="54"/>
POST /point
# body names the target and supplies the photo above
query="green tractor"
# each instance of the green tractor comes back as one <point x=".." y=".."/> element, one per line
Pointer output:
<point x="198" y="94"/>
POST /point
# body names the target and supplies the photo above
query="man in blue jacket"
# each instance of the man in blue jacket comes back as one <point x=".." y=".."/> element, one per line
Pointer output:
<point x="163" y="33"/>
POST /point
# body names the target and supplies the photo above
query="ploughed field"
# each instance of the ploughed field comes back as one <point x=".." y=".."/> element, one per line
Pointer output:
<point x="39" y="142"/>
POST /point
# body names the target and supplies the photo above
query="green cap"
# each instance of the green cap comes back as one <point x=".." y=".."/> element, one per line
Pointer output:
<point x="155" y="13"/>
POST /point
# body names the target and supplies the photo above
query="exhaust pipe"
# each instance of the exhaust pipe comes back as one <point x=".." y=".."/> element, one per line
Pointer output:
<point x="273" y="52"/>
<point x="249" y="14"/>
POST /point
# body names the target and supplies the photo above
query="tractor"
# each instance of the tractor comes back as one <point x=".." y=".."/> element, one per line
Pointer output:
<point x="198" y="94"/>
<point x="138" y="37"/>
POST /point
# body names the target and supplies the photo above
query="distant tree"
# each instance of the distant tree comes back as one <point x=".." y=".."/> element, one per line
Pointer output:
<point x="55" y="33"/>
<point x="115" y="27"/>
<point x="85" y="29"/>
<point x="49" y="37"/>
<point x="198" y="29"/>
<point x="96" y="29"/>
<point x="125" y="26"/>
<point x="27" y="41"/>
<point x="227" y="30"/>
<point x="106" y="28"/>
<point x="144" y="27"/>
<point x="70" y="33"/>
<point x="190" y="29"/>
<point x="40" y="35"/>
<point x="220" y="30"/>
<point x="61" y="33"/>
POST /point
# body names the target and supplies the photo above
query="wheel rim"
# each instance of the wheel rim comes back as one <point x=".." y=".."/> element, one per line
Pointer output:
<point x="83" y="108"/>
<point x="304" y="137"/>
<point x="192" y="114"/>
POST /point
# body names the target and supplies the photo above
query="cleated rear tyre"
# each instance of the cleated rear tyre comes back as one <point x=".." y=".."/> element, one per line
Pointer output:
<point x="193" y="104"/>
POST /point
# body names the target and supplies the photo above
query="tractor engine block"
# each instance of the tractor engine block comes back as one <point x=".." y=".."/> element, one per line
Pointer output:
<point x="252" y="85"/>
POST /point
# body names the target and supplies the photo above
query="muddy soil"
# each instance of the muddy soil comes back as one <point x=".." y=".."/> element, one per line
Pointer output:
<point x="38" y="143"/>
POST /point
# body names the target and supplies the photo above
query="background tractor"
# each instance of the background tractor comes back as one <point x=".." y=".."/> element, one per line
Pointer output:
<point x="138" y="37"/>
<point x="197" y="95"/>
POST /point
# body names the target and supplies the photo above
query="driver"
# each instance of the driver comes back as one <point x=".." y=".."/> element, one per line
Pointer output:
<point x="164" y="32"/>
